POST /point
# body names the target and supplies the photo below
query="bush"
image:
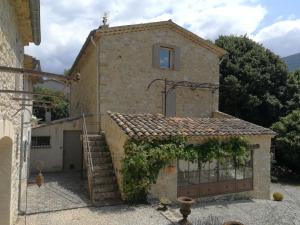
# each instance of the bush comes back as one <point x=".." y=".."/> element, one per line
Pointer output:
<point x="287" y="142"/>
<point x="277" y="196"/>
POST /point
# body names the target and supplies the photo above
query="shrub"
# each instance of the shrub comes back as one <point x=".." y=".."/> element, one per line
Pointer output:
<point x="277" y="196"/>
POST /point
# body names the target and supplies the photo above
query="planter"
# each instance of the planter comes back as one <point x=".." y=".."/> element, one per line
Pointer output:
<point x="232" y="223"/>
<point x="185" y="209"/>
<point x="39" y="179"/>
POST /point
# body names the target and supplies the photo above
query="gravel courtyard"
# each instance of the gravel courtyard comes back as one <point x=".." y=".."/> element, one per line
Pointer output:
<point x="250" y="212"/>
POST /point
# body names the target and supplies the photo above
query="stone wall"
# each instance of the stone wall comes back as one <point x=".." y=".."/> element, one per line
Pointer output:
<point x="126" y="69"/>
<point x="115" y="139"/>
<point x="11" y="54"/>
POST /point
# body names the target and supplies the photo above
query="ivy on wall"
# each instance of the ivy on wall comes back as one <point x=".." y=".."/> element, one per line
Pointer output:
<point x="145" y="158"/>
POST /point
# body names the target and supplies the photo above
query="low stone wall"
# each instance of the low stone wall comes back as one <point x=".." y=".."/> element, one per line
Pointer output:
<point x="115" y="139"/>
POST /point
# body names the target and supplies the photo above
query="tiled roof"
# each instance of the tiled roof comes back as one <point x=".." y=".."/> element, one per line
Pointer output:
<point x="157" y="125"/>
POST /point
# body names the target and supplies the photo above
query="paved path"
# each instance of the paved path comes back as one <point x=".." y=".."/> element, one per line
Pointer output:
<point x="110" y="215"/>
<point x="60" y="191"/>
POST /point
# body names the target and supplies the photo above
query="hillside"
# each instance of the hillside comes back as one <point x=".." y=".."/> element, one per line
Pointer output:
<point x="293" y="61"/>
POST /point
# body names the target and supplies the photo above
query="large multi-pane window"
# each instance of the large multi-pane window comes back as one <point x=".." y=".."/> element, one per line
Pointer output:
<point x="215" y="174"/>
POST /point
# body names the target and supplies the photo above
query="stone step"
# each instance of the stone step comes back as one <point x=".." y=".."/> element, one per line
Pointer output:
<point x="103" y="173"/>
<point x="104" y="180"/>
<point x="102" y="151"/>
<point x="94" y="143"/>
<point x="98" y="149"/>
<point x="98" y="159"/>
<point x="103" y="166"/>
<point x="105" y="188"/>
<point x="93" y="137"/>
<point x="100" y="196"/>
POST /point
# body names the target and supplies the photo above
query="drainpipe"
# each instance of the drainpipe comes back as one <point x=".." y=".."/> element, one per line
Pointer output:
<point x="97" y="83"/>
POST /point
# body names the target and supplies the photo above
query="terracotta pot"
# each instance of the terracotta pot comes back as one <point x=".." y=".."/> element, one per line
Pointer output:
<point x="185" y="209"/>
<point x="232" y="223"/>
<point x="39" y="179"/>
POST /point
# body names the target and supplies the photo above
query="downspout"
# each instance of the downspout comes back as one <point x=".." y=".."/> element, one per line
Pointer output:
<point x="97" y="84"/>
<point x="21" y="154"/>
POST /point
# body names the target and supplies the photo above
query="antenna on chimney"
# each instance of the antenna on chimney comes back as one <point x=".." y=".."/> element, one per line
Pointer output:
<point x="104" y="21"/>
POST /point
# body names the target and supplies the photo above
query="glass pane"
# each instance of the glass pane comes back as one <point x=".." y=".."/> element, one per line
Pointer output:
<point x="164" y="58"/>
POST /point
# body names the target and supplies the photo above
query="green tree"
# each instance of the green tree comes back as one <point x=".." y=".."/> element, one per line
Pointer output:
<point x="58" y="105"/>
<point x="287" y="142"/>
<point x="255" y="83"/>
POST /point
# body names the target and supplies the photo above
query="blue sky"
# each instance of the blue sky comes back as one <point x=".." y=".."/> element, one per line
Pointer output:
<point x="65" y="24"/>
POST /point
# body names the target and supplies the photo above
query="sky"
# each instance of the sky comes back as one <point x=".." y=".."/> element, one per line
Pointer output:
<point x="65" y="24"/>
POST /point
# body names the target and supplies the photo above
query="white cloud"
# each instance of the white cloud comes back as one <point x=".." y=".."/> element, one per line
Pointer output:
<point x="281" y="37"/>
<point x="66" y="23"/>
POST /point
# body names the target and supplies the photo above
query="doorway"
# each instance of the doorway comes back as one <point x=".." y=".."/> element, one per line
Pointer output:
<point x="5" y="179"/>
<point x="72" y="157"/>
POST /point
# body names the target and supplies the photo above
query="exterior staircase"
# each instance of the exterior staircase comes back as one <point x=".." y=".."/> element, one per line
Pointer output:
<point x="102" y="182"/>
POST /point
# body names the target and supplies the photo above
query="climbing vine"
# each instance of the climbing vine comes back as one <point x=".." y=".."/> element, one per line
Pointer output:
<point x="145" y="158"/>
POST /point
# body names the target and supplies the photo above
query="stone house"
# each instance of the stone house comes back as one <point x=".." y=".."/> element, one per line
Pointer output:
<point x="19" y="25"/>
<point x="154" y="78"/>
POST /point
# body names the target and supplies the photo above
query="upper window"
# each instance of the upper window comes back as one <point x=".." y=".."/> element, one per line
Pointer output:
<point x="165" y="58"/>
<point x="40" y="142"/>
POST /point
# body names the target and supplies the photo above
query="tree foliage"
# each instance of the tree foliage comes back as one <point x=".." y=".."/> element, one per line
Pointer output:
<point x="288" y="140"/>
<point x="59" y="106"/>
<point x="255" y="83"/>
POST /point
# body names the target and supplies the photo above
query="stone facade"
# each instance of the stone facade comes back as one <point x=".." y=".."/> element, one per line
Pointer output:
<point x="125" y="69"/>
<point x="15" y="32"/>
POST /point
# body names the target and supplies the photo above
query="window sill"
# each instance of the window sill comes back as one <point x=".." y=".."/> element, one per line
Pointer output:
<point x="41" y="147"/>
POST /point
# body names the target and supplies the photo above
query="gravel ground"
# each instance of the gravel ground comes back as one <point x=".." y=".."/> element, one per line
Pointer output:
<point x="60" y="191"/>
<point x="250" y="212"/>
<point x="112" y="215"/>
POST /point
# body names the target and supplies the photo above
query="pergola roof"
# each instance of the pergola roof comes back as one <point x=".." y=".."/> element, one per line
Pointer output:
<point x="157" y="125"/>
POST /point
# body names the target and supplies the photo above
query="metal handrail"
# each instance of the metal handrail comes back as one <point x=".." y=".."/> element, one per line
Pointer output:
<point x="90" y="166"/>
<point x="85" y="138"/>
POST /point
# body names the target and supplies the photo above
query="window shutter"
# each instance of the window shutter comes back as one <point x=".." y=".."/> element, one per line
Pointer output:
<point x="155" y="55"/>
<point x="176" y="58"/>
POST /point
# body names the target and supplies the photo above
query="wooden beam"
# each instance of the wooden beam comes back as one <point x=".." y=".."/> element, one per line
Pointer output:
<point x="35" y="73"/>
<point x="29" y="93"/>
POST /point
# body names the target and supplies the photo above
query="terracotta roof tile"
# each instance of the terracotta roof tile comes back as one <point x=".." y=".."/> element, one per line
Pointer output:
<point x="147" y="125"/>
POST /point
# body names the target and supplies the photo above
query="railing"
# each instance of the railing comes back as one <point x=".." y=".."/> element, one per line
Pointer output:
<point x="88" y="157"/>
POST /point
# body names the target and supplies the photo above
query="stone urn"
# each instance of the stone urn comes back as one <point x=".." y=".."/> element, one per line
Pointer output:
<point x="185" y="209"/>
<point x="232" y="223"/>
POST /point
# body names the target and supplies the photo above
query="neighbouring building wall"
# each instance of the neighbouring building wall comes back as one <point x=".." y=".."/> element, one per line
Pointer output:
<point x="126" y="69"/>
<point x="11" y="54"/>
<point x="51" y="158"/>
